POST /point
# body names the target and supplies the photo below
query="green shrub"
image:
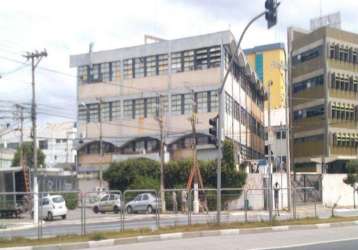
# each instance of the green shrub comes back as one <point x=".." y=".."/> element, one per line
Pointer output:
<point x="71" y="200"/>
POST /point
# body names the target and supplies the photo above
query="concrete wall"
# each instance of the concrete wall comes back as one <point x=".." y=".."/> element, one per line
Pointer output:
<point x="334" y="190"/>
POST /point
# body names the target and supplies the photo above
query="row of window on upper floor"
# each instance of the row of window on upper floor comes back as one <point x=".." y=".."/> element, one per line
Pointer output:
<point x="206" y="101"/>
<point x="241" y="115"/>
<point x="189" y="60"/>
<point x="337" y="139"/>
<point x="343" y="53"/>
<point x="307" y="55"/>
<point x="338" y="111"/>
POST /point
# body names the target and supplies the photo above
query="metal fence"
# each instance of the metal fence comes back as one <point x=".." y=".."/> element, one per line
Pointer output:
<point x="75" y="212"/>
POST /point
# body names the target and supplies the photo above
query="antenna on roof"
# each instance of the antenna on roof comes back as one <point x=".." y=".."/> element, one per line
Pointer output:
<point x="154" y="39"/>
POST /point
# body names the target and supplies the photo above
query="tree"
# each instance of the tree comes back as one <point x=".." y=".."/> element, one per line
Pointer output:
<point x="27" y="148"/>
<point x="352" y="176"/>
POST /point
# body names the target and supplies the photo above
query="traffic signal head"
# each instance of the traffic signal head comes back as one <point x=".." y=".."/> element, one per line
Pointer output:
<point x="271" y="12"/>
<point x="213" y="130"/>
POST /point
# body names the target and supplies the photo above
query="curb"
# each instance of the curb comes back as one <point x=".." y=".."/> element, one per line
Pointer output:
<point x="180" y="235"/>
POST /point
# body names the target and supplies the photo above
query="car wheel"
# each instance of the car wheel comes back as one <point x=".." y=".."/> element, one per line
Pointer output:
<point x="96" y="210"/>
<point x="149" y="209"/>
<point x="64" y="217"/>
<point x="129" y="210"/>
<point x="49" y="216"/>
<point x="116" y="209"/>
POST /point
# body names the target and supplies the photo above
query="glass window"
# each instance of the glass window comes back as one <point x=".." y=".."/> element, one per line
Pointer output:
<point x="214" y="56"/>
<point x="151" y="65"/>
<point x="116" y="110"/>
<point x="214" y="101"/>
<point x="105" y="72"/>
<point x="152" y="145"/>
<point x="309" y="83"/>
<point x="128" y="109"/>
<point x="93" y="112"/>
<point x="202" y="101"/>
<point x="82" y="113"/>
<point x="105" y="111"/>
<point x="139" y="108"/>
<point x="43" y="144"/>
<point x="152" y="106"/>
<point x="176" y="104"/>
<point x="176" y="62"/>
<point x="116" y="71"/>
<point x="163" y="64"/>
<point x="127" y="69"/>
<point x="139" y="146"/>
<point x="201" y="59"/>
<point x="139" y="67"/>
<point x="82" y="74"/>
<point x="94" y="73"/>
<point x="188" y="103"/>
<point x="307" y="55"/>
<point x="188" y="58"/>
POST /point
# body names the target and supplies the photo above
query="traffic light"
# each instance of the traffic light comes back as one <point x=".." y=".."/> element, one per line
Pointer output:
<point x="213" y="130"/>
<point x="271" y="12"/>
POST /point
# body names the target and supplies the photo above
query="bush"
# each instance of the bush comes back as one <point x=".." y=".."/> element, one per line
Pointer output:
<point x="71" y="200"/>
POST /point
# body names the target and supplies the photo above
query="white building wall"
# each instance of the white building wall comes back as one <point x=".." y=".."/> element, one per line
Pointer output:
<point x="335" y="191"/>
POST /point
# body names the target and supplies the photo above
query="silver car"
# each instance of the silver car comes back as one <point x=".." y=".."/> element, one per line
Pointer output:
<point x="108" y="203"/>
<point x="145" y="202"/>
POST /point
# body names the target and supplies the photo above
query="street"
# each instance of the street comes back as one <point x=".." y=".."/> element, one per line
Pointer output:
<point x="315" y="239"/>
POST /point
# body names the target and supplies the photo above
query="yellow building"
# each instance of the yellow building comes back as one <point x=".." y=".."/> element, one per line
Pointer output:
<point x="265" y="59"/>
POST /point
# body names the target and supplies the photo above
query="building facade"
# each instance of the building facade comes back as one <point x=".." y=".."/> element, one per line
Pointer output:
<point x="123" y="94"/>
<point x="267" y="61"/>
<point x="324" y="76"/>
<point x="56" y="140"/>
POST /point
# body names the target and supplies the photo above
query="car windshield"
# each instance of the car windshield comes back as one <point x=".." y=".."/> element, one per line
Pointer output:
<point x="58" y="199"/>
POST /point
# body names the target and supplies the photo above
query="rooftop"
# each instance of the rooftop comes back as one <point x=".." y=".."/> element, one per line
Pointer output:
<point x="265" y="47"/>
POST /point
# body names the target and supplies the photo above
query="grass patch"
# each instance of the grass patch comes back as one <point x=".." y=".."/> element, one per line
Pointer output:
<point x="19" y="241"/>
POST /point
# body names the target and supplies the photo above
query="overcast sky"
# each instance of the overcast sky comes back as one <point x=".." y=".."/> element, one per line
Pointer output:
<point x="67" y="27"/>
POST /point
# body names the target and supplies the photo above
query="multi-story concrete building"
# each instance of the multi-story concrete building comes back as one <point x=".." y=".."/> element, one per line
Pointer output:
<point x="56" y="140"/>
<point x="269" y="63"/>
<point x="125" y="88"/>
<point x="324" y="77"/>
<point x="266" y="60"/>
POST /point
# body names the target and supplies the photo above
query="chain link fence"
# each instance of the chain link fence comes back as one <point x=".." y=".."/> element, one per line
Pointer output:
<point x="75" y="212"/>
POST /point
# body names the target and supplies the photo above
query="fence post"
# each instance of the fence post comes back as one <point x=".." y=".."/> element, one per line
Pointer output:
<point x="294" y="203"/>
<point x="157" y="210"/>
<point x="189" y="206"/>
<point x="84" y="217"/>
<point x="122" y="211"/>
<point x="245" y="204"/>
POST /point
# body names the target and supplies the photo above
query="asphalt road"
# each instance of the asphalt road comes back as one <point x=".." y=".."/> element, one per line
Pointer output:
<point x="315" y="239"/>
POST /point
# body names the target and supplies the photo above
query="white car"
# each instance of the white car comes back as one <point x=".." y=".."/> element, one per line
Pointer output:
<point x="53" y="206"/>
<point x="108" y="203"/>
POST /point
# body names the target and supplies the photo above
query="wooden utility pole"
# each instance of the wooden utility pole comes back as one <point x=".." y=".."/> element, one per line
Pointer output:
<point x="35" y="58"/>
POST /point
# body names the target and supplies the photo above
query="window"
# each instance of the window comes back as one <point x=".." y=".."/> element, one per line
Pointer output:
<point x="214" y="101"/>
<point x="309" y="112"/>
<point x="228" y="104"/>
<point x="214" y="57"/>
<point x="139" y="146"/>
<point x="43" y="144"/>
<point x="177" y="62"/>
<point x="309" y="83"/>
<point x="307" y="55"/>
<point x="93" y="112"/>
<point x="128" y="69"/>
<point x="151" y="65"/>
<point x="176" y="104"/>
<point x="280" y="135"/>
<point x="116" y="110"/>
<point x="105" y="115"/>
<point x="188" y="103"/>
<point x="105" y="198"/>
<point x="82" y="113"/>
<point x="309" y="139"/>
<point x="152" y="107"/>
<point x="152" y="145"/>
<point x="202" y="101"/>
<point x="139" y="67"/>
<point x="45" y="202"/>
<point x="259" y="66"/>
<point x="201" y="59"/>
<point x="145" y="197"/>
<point x="105" y="72"/>
<point x="83" y="74"/>
<point x="128" y="109"/>
<point x="95" y="73"/>
<point x="163" y="64"/>
<point x="116" y="71"/>
<point x="139" y="108"/>
<point x="188" y="59"/>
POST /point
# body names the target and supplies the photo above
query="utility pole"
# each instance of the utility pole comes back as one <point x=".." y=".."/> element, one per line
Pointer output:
<point x="270" y="169"/>
<point x="100" y="143"/>
<point x="159" y="118"/>
<point x="35" y="58"/>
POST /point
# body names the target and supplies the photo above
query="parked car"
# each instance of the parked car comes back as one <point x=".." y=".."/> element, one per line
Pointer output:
<point x="145" y="202"/>
<point x="52" y="206"/>
<point x="108" y="203"/>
